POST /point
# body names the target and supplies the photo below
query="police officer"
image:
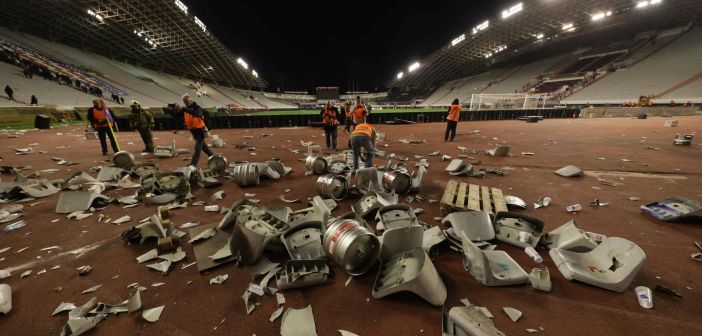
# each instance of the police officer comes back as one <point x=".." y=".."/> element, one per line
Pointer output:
<point x="330" y="119"/>
<point x="101" y="120"/>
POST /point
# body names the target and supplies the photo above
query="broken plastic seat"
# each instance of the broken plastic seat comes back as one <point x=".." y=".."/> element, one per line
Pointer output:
<point x="476" y="224"/>
<point x="302" y="273"/>
<point x="570" y="236"/>
<point x="72" y="201"/>
<point x="468" y="320"/>
<point x="517" y="229"/>
<point x="674" y="209"/>
<point x="305" y="242"/>
<point x="612" y="265"/>
<point x="499" y="150"/>
<point x="369" y="179"/>
<point x="491" y="268"/>
<point x="412" y="271"/>
<point x="371" y="202"/>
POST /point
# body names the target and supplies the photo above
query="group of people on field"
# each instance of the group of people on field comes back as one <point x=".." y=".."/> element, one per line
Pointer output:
<point x="362" y="135"/>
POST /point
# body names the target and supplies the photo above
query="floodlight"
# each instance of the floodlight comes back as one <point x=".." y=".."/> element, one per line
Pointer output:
<point x="413" y="67"/>
<point x="539" y="36"/>
<point x="400" y="74"/>
<point x="182" y="6"/>
<point x="512" y="10"/>
<point x="199" y="23"/>
<point x="242" y="63"/>
<point x="481" y="27"/>
<point x="598" y="16"/>
<point x="458" y="40"/>
<point x="567" y="26"/>
<point x="254" y="73"/>
<point x="642" y="4"/>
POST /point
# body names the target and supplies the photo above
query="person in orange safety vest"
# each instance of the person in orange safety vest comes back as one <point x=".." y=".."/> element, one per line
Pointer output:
<point x="330" y="120"/>
<point x="101" y="119"/>
<point x="363" y="136"/>
<point x="194" y="118"/>
<point x="454" y="114"/>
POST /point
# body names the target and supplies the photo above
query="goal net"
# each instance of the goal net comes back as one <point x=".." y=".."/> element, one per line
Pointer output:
<point x="509" y="101"/>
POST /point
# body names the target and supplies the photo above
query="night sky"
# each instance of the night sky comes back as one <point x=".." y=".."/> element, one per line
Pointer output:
<point x="296" y="46"/>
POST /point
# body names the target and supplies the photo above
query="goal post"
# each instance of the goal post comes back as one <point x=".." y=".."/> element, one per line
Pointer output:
<point x="509" y="101"/>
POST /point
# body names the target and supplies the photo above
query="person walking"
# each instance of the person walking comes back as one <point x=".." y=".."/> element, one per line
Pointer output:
<point x="347" y="118"/>
<point x="9" y="92"/>
<point x="33" y="100"/>
<point x="143" y="122"/>
<point x="454" y="114"/>
<point x="363" y="137"/>
<point x="195" y="123"/>
<point x="101" y="120"/>
<point x="330" y="119"/>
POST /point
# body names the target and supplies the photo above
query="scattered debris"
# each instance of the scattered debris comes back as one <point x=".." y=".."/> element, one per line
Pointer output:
<point x="297" y="322"/>
<point x="513" y="314"/>
<point x="219" y="279"/>
<point x="645" y="297"/>
<point x="91" y="289"/>
<point x="153" y="314"/>
<point x="666" y="290"/>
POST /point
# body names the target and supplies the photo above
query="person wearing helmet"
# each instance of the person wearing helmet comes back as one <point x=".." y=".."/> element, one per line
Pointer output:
<point x="143" y="122"/>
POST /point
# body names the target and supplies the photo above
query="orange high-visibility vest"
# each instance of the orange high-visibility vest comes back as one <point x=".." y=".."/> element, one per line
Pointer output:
<point x="100" y="115"/>
<point x="363" y="129"/>
<point x="359" y="113"/>
<point x="347" y="112"/>
<point x="330" y="117"/>
<point x="454" y="113"/>
<point x="193" y="122"/>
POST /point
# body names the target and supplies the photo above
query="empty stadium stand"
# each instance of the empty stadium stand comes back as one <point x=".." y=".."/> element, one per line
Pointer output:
<point x="150" y="88"/>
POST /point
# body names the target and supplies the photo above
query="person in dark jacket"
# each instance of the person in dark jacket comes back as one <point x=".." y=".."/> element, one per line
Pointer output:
<point x="9" y="92"/>
<point x="101" y="120"/>
<point x="143" y="122"/>
<point x="33" y="100"/>
<point x="195" y="122"/>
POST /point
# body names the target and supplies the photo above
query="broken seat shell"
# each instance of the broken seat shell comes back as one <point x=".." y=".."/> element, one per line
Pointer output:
<point x="491" y="268"/>
<point x="413" y="271"/>
<point x="612" y="265"/>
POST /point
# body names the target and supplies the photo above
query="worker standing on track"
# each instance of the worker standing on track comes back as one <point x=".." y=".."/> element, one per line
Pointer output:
<point x="452" y="118"/>
<point x="359" y="114"/>
<point x="363" y="136"/>
<point x="347" y="117"/>
<point x="143" y="121"/>
<point x="101" y="120"/>
<point x="330" y="119"/>
<point x="195" y="123"/>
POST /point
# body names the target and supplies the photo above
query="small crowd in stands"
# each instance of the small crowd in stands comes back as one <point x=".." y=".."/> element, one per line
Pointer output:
<point x="30" y="68"/>
<point x="647" y="101"/>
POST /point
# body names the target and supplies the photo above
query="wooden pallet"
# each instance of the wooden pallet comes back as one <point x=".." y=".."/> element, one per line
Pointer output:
<point x="460" y="196"/>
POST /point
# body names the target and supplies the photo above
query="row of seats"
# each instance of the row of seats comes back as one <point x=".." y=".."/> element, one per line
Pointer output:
<point x="150" y="88"/>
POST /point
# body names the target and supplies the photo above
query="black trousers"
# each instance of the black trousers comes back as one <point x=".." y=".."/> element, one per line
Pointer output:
<point x="200" y="145"/>
<point x="450" y="128"/>
<point x="103" y="133"/>
<point x="330" y="133"/>
<point x="148" y="139"/>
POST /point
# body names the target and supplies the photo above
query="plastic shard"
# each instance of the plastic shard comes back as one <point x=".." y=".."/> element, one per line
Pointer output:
<point x="298" y="322"/>
<point x="152" y="254"/>
<point x="152" y="315"/>
<point x="91" y="289"/>
<point x="570" y="171"/>
<point x="248" y="302"/>
<point x="5" y="299"/>
<point x="219" y="279"/>
<point x="513" y="314"/>
<point x="468" y="320"/>
<point x="476" y="224"/>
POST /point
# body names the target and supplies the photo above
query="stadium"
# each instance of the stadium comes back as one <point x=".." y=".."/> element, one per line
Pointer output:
<point x="537" y="172"/>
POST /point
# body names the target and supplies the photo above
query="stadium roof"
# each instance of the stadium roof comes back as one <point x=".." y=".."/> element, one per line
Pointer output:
<point x="528" y="24"/>
<point x="160" y="34"/>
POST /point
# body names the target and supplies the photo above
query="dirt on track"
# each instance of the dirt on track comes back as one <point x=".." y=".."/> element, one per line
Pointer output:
<point x="203" y="309"/>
